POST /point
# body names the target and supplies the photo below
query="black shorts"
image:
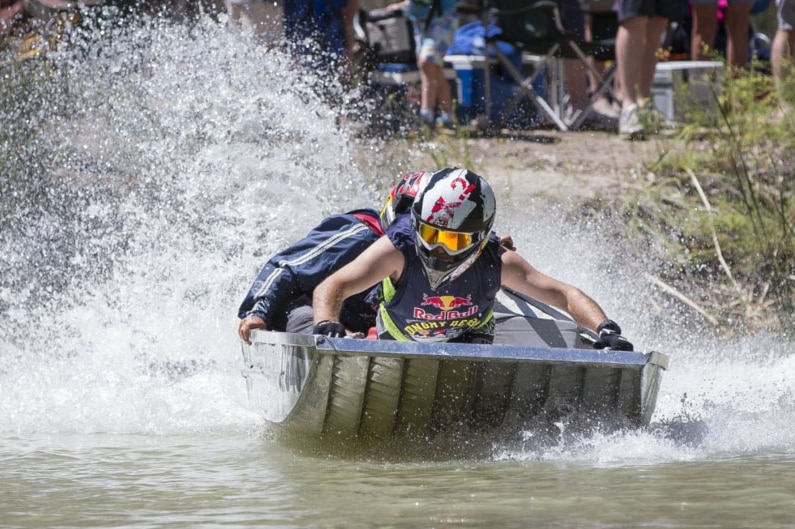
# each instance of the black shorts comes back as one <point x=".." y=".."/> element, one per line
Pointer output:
<point x="670" y="9"/>
<point x="573" y="17"/>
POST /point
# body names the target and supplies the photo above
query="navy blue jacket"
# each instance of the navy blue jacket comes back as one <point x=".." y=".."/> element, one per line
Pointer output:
<point x="290" y="277"/>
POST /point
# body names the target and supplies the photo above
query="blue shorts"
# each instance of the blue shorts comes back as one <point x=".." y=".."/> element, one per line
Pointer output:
<point x="670" y="9"/>
<point x="573" y="17"/>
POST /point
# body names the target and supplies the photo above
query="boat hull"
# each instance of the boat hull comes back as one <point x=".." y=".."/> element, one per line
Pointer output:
<point x="315" y="387"/>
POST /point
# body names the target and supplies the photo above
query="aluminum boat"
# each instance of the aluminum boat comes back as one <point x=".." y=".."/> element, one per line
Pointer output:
<point x="541" y="370"/>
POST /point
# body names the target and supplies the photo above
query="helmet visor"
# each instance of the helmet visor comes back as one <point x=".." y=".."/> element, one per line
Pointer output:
<point x="453" y="242"/>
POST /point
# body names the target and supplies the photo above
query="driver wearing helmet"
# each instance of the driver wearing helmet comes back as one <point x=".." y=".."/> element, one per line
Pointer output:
<point x="440" y="269"/>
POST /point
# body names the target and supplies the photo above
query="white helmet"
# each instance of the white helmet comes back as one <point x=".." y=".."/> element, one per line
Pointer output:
<point x="452" y="219"/>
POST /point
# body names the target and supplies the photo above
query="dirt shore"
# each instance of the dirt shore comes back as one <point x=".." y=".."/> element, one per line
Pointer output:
<point x="566" y="165"/>
<point x="562" y="167"/>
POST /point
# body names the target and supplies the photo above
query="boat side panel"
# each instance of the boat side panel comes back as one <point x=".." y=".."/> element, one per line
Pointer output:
<point x="455" y="394"/>
<point x="281" y="373"/>
<point x="650" y="379"/>
<point x="529" y="390"/>
<point x="600" y="392"/>
<point x="493" y="393"/>
<point x="309" y="413"/>
<point x="564" y="392"/>
<point x="359" y="388"/>
<point x="383" y="397"/>
<point x="417" y="396"/>
<point x="346" y="395"/>
<point x="629" y="397"/>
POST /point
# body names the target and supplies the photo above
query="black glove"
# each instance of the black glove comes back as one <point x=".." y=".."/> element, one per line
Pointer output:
<point x="610" y="337"/>
<point x="334" y="329"/>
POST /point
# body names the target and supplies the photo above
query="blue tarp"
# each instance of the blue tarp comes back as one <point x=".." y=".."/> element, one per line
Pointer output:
<point x="470" y="40"/>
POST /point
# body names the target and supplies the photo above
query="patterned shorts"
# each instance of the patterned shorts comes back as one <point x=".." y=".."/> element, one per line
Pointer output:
<point x="433" y="43"/>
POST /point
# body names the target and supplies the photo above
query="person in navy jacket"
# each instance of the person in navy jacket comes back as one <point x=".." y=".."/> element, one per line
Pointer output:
<point x="280" y="299"/>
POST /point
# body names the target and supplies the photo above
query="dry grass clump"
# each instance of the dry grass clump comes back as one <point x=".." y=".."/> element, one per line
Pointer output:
<point x="722" y="209"/>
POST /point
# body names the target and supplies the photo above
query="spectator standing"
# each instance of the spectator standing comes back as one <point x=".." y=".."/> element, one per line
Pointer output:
<point x="435" y="24"/>
<point x="737" y="20"/>
<point x="781" y="54"/>
<point x="642" y="24"/>
<point x="264" y="18"/>
<point x="322" y="31"/>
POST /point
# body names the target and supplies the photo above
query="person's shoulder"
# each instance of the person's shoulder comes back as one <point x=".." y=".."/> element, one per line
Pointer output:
<point x="400" y="231"/>
<point x="401" y="224"/>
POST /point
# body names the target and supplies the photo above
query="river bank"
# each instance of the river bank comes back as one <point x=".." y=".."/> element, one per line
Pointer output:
<point x="562" y="167"/>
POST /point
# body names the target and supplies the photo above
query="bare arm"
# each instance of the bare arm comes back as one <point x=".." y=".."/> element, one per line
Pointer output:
<point x="378" y="261"/>
<point x="521" y="276"/>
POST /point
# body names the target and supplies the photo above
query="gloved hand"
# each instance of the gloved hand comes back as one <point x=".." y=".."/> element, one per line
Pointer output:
<point x="610" y="337"/>
<point x="334" y="329"/>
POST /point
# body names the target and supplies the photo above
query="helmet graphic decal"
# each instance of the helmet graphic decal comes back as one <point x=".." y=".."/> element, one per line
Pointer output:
<point x="442" y="211"/>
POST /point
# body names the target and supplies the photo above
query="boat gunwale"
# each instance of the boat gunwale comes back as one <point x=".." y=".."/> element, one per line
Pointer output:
<point x="469" y="352"/>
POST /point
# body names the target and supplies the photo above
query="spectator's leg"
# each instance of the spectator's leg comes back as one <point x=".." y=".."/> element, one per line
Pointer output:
<point x="630" y="43"/>
<point x="576" y="83"/>
<point x="781" y="55"/>
<point x="574" y="72"/>
<point x="654" y="32"/>
<point x="10" y="13"/>
<point x="435" y="88"/>
<point x="705" y="27"/>
<point x="630" y="38"/>
<point x="737" y="24"/>
<point x="263" y="18"/>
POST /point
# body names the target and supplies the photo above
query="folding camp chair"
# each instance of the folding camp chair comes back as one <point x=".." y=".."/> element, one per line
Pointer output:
<point x="534" y="26"/>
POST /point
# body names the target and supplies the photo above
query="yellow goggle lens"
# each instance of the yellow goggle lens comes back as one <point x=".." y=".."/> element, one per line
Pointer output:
<point x="452" y="241"/>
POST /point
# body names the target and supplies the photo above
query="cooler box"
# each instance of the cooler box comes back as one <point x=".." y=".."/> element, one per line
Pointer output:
<point x="683" y="88"/>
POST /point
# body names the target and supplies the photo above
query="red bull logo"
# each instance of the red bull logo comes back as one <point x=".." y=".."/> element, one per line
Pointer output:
<point x="450" y="307"/>
<point x="446" y="302"/>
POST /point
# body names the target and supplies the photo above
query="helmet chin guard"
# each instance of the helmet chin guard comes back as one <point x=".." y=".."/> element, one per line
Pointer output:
<point x="452" y="218"/>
